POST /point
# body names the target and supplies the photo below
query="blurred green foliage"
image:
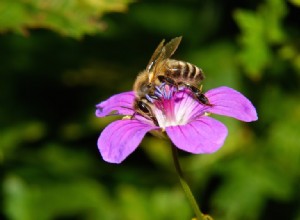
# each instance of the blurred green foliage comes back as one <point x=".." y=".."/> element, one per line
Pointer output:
<point x="51" y="81"/>
<point x="69" y="17"/>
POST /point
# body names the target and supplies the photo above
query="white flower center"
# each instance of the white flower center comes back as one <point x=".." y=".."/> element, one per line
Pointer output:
<point x="174" y="107"/>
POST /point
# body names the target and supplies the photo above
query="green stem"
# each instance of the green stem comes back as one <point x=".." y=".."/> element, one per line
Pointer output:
<point x="185" y="186"/>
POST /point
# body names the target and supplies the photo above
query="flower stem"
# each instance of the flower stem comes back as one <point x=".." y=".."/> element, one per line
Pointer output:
<point x="186" y="188"/>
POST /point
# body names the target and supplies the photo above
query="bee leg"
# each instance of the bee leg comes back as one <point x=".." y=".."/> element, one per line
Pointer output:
<point x="167" y="80"/>
<point x="198" y="94"/>
<point x="133" y="115"/>
<point x="135" y="107"/>
<point x="154" y="120"/>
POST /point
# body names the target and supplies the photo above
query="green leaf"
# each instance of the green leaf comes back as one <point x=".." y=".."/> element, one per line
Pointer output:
<point x="261" y="29"/>
<point x="55" y="199"/>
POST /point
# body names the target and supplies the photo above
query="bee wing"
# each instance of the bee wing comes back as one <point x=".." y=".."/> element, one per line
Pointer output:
<point x="155" y="56"/>
<point x="169" y="49"/>
<point x="163" y="52"/>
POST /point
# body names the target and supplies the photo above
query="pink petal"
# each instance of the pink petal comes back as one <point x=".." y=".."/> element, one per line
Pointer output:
<point x="187" y="108"/>
<point x="229" y="102"/>
<point x="120" y="104"/>
<point x="204" y="135"/>
<point x="121" y="138"/>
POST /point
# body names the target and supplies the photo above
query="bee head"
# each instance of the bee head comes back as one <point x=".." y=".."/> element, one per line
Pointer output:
<point x="142" y="86"/>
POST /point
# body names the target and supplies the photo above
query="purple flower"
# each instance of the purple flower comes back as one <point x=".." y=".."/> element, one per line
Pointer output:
<point x="184" y="120"/>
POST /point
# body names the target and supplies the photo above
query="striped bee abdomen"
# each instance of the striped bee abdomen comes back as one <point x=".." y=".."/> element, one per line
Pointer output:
<point x="184" y="71"/>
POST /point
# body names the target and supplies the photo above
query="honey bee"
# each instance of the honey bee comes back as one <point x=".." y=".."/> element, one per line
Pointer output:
<point x="161" y="69"/>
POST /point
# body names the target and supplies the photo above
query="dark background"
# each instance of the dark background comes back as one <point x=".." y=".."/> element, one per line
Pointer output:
<point x="60" y="58"/>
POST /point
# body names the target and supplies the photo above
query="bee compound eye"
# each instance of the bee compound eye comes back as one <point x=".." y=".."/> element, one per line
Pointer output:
<point x="143" y="107"/>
